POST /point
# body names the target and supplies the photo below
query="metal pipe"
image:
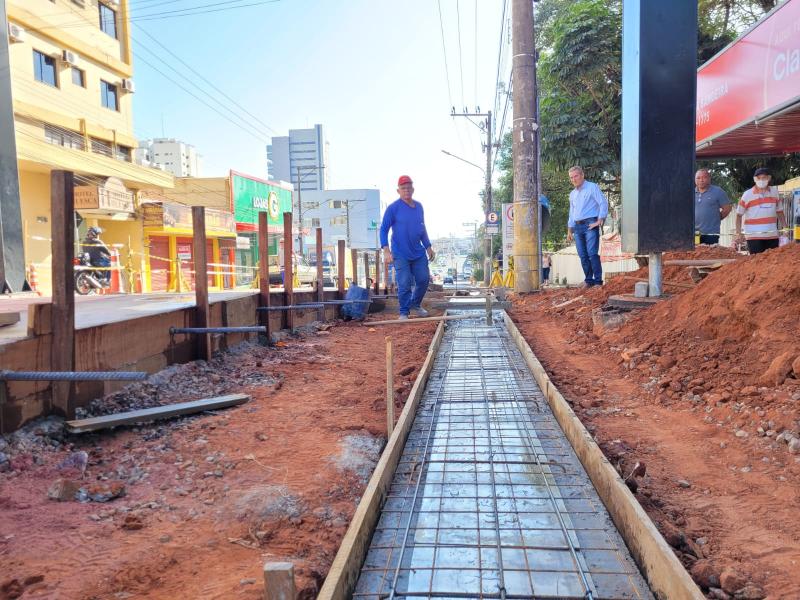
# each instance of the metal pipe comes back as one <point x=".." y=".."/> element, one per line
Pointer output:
<point x="203" y="330"/>
<point x="73" y="375"/>
<point x="291" y="307"/>
<point x="654" y="268"/>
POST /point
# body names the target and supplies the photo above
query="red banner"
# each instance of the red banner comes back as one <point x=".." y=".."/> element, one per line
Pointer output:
<point x="757" y="73"/>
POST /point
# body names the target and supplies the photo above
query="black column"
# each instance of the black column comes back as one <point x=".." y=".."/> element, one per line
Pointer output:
<point x="659" y="88"/>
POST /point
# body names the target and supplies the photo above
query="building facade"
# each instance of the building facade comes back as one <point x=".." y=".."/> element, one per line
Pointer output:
<point x="302" y="154"/>
<point x="175" y="156"/>
<point x="351" y="215"/>
<point x="71" y="80"/>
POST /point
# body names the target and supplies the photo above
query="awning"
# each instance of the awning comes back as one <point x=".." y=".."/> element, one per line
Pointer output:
<point x="748" y="95"/>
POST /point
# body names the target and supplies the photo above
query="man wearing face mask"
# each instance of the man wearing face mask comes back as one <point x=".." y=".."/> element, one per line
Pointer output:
<point x="763" y="214"/>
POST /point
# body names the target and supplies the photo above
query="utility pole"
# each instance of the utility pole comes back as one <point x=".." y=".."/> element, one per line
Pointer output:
<point x="487" y="244"/>
<point x="526" y="199"/>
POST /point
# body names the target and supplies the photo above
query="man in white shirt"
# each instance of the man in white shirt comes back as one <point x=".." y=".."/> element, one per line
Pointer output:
<point x="588" y="209"/>
<point x="763" y="214"/>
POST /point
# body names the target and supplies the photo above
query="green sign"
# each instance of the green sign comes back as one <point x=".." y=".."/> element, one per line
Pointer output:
<point x="252" y="196"/>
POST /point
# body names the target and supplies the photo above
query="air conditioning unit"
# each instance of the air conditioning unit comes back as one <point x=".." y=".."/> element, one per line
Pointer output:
<point x="16" y="33"/>
<point x="70" y="58"/>
<point x="128" y="85"/>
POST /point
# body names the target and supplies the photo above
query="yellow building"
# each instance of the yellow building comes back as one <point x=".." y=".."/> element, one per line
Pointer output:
<point x="72" y="86"/>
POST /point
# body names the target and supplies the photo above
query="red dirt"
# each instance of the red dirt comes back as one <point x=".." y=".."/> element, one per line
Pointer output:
<point x="682" y="387"/>
<point x="208" y="531"/>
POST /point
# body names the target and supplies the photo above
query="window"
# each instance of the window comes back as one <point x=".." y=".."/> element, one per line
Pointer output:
<point x="101" y="147"/>
<point x="44" y="68"/>
<point x="108" y="20"/>
<point x="315" y="223"/>
<point x="337" y="203"/>
<point x="108" y="95"/>
<point x="63" y="137"/>
<point x="78" y="77"/>
<point x="123" y="153"/>
<point x="339" y="221"/>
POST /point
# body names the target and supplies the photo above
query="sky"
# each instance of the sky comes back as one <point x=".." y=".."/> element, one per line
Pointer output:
<point x="372" y="72"/>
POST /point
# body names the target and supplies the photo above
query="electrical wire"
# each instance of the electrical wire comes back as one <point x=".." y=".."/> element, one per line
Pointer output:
<point x="460" y="55"/>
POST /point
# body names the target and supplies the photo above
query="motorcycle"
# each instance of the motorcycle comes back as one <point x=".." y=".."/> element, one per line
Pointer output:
<point x="88" y="280"/>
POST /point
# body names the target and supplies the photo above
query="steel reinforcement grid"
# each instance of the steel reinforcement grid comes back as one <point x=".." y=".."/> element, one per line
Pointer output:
<point x="489" y="499"/>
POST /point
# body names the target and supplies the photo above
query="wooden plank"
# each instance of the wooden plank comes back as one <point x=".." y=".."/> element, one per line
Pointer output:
<point x="263" y="268"/>
<point x="288" y="270"/>
<point x="200" y="259"/>
<point x="389" y="386"/>
<point x="699" y="263"/>
<point x="354" y="260"/>
<point x="11" y="318"/>
<point x="279" y="581"/>
<point x="662" y="569"/>
<point x="343" y="574"/>
<point x="340" y="264"/>
<point x="320" y="276"/>
<point x="62" y="233"/>
<point x="155" y="413"/>
<point x="419" y="320"/>
<point x="366" y="270"/>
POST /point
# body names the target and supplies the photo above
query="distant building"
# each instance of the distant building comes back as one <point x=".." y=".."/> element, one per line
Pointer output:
<point x="350" y="215"/>
<point x="303" y="153"/>
<point x="171" y="155"/>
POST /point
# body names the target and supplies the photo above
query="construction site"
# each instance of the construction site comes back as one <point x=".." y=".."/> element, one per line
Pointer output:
<point x="293" y="426"/>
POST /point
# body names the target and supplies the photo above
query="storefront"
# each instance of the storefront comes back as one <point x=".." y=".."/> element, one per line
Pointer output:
<point x="168" y="234"/>
<point x="250" y="196"/>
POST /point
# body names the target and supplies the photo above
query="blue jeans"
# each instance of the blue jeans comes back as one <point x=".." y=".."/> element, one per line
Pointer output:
<point x="411" y="274"/>
<point x="587" y="242"/>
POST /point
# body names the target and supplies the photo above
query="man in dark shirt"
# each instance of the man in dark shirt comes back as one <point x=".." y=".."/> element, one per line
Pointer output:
<point x="410" y="250"/>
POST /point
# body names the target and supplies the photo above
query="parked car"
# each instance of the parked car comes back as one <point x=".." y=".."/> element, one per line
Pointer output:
<point x="305" y="272"/>
<point x="447" y="279"/>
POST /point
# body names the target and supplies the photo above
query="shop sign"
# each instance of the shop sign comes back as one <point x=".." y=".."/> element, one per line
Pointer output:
<point x="166" y="215"/>
<point x="242" y="242"/>
<point x="112" y="197"/>
<point x="755" y="75"/>
<point x="251" y="196"/>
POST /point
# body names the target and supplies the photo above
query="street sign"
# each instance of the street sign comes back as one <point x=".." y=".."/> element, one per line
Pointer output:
<point x="492" y="228"/>
<point x="492" y="218"/>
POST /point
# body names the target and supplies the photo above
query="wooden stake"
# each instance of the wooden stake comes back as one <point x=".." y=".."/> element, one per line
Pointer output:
<point x="263" y="268"/>
<point x="279" y="581"/>
<point x="377" y="284"/>
<point x="366" y="270"/>
<point x="340" y="258"/>
<point x="288" y="271"/>
<point x="200" y="280"/>
<point x="389" y="387"/>
<point x="320" y="276"/>
<point x="354" y="260"/>
<point x="62" y="233"/>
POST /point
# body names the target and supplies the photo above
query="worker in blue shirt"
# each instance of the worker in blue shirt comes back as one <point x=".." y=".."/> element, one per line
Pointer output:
<point x="411" y="249"/>
<point x="588" y="209"/>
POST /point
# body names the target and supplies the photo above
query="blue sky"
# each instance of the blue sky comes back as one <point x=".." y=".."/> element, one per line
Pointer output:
<point x="371" y="71"/>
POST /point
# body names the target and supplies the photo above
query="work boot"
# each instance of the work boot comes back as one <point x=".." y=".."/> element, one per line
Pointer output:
<point x="419" y="312"/>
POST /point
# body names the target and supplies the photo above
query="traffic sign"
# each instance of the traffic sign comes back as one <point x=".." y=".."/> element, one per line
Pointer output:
<point x="492" y="228"/>
<point x="492" y="218"/>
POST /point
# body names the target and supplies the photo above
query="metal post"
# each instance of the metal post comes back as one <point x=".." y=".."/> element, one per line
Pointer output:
<point x="288" y="270"/>
<point x="201" y="280"/>
<point x="263" y="268"/>
<point x="340" y="264"/>
<point x="389" y="387"/>
<point x="62" y="234"/>
<point x="655" y="270"/>
<point x="320" y="276"/>
<point x="526" y="200"/>
<point x="12" y="258"/>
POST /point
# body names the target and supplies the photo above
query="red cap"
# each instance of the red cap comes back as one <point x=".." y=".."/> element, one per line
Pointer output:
<point x="404" y="179"/>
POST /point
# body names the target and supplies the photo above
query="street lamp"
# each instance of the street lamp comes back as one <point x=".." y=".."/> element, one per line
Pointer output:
<point x="480" y="168"/>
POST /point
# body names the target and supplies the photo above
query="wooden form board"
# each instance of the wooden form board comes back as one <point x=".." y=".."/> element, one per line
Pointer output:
<point x="344" y="571"/>
<point x="664" y="573"/>
<point x="158" y="412"/>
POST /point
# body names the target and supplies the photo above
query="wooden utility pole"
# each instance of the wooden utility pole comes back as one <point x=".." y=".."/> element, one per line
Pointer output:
<point x="201" y="280"/>
<point x="340" y="265"/>
<point x="62" y="234"/>
<point x="288" y="271"/>
<point x="263" y="268"/>
<point x="526" y="199"/>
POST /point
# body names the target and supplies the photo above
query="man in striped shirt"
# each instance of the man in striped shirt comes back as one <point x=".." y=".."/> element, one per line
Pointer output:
<point x="763" y="214"/>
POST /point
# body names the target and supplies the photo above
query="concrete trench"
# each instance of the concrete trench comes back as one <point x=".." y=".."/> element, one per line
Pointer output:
<point x="489" y="499"/>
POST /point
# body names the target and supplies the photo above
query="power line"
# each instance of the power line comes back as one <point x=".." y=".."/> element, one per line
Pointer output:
<point x="476" y="52"/>
<point x="460" y="56"/>
<point x="200" y="75"/>
<point x="444" y="53"/>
